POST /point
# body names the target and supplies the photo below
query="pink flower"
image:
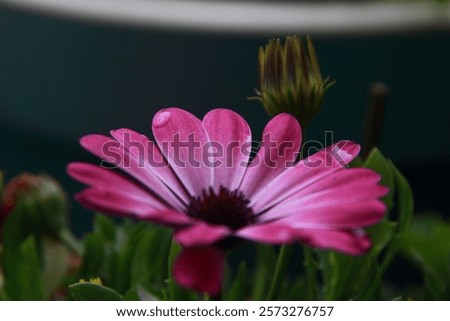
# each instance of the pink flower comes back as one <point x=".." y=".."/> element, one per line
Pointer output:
<point x="200" y="180"/>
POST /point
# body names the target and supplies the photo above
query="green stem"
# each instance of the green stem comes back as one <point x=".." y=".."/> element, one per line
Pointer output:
<point x="311" y="273"/>
<point x="280" y="271"/>
<point x="67" y="238"/>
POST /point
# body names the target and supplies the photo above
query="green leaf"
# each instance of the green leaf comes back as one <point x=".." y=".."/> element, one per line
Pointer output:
<point x="105" y="226"/>
<point x="125" y="247"/>
<point x="359" y="278"/>
<point x="93" y="292"/>
<point x="23" y="276"/>
<point x="357" y="162"/>
<point x="93" y="257"/>
<point x="426" y="244"/>
<point x="405" y="208"/>
<point x="296" y="290"/>
<point x="370" y="288"/>
<point x="382" y="166"/>
<point x="238" y="287"/>
<point x="381" y="234"/>
<point x="149" y="262"/>
<point x="265" y="267"/>
<point x="21" y="258"/>
<point x="126" y="255"/>
<point x="349" y="277"/>
<point x="336" y="269"/>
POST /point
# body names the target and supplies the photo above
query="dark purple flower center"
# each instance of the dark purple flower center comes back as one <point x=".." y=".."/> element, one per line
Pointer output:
<point x="229" y="208"/>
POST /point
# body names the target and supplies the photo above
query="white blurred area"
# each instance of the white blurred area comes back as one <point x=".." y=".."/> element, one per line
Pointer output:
<point x="255" y="17"/>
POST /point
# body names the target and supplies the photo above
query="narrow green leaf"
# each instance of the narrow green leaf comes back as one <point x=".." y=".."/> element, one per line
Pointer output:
<point x="336" y="271"/>
<point x="280" y="272"/>
<point x="371" y="286"/>
<point x="23" y="278"/>
<point x="238" y="288"/>
<point x="296" y="290"/>
<point x="125" y="250"/>
<point x="105" y="226"/>
<point x="405" y="208"/>
<point x="93" y="257"/>
<point x="265" y="267"/>
<point x="348" y="277"/>
<point x="149" y="262"/>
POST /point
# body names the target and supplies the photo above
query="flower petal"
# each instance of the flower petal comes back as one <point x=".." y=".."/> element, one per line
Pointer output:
<point x="271" y="233"/>
<point x="349" y="242"/>
<point x="200" y="269"/>
<point x="113" y="152"/>
<point x="305" y="173"/>
<point x="182" y="139"/>
<point x="230" y="138"/>
<point x="201" y="234"/>
<point x="353" y="242"/>
<point x="279" y="148"/>
<point x="334" y="196"/>
<point x="118" y="203"/>
<point x="107" y="179"/>
<point x="341" y="215"/>
<point x="150" y="158"/>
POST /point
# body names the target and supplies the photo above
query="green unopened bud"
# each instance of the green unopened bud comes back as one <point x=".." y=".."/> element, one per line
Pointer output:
<point x="40" y="201"/>
<point x="290" y="79"/>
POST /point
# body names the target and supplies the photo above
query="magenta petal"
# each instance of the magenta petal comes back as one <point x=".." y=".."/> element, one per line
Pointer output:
<point x="150" y="157"/>
<point x="201" y="234"/>
<point x="230" y="138"/>
<point x="113" y="152"/>
<point x="339" y="215"/>
<point x="336" y="197"/>
<point x="336" y="155"/>
<point x="102" y="146"/>
<point x="271" y="233"/>
<point x="118" y="203"/>
<point x="344" y="184"/>
<point x="107" y="179"/>
<point x="353" y="242"/>
<point x="306" y="172"/>
<point x="200" y="269"/>
<point x="279" y="149"/>
<point x="349" y="242"/>
<point x="182" y="138"/>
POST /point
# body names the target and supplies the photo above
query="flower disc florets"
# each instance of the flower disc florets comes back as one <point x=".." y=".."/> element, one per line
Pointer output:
<point x="229" y="208"/>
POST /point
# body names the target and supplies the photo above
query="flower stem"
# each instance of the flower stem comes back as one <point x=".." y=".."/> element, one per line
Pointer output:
<point x="378" y="96"/>
<point x="311" y="273"/>
<point x="280" y="270"/>
<point x="69" y="240"/>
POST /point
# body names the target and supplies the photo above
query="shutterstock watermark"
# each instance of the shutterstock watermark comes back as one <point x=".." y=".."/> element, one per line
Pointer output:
<point x="190" y="152"/>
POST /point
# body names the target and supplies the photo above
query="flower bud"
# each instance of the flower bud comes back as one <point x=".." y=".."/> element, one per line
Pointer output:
<point x="290" y="79"/>
<point x="39" y="199"/>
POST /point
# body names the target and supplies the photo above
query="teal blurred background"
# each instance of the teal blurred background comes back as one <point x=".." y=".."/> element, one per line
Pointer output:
<point x="61" y="79"/>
